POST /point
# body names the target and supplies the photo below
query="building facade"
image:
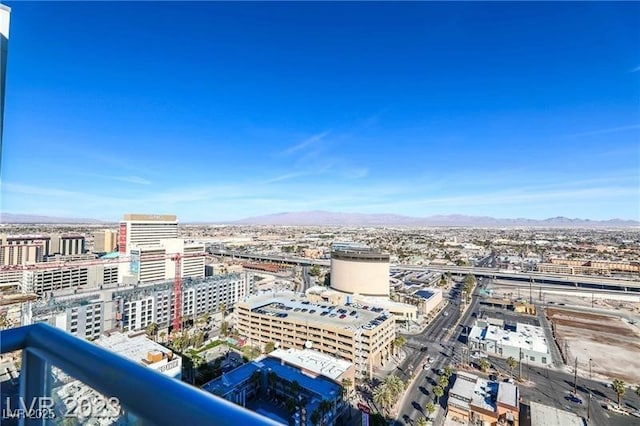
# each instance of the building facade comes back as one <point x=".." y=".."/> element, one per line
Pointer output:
<point x="359" y="270"/>
<point x="478" y="401"/>
<point x="89" y="312"/>
<point x="361" y="336"/>
<point x="105" y="241"/>
<point x="145" y="230"/>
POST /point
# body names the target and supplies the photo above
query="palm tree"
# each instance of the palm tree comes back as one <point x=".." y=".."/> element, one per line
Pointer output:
<point x="163" y="334"/>
<point x="395" y="386"/>
<point x="443" y="381"/>
<point x="438" y="391"/>
<point x="315" y="417"/>
<point x="511" y="362"/>
<point x="484" y="364"/>
<point x="324" y="407"/>
<point x="421" y="421"/>
<point x="269" y="347"/>
<point x="382" y="397"/>
<point x="152" y="330"/>
<point x="448" y="371"/>
<point x="430" y="408"/>
<point x="619" y="388"/>
<point x="399" y="342"/>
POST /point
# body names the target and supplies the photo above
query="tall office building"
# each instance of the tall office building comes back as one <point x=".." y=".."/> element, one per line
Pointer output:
<point x="145" y="230"/>
<point x="5" y="15"/>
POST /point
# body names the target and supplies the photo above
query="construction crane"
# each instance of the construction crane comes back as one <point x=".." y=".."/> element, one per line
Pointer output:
<point x="175" y="257"/>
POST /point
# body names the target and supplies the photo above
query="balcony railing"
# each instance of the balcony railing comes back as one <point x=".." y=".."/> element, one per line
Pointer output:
<point x="152" y="397"/>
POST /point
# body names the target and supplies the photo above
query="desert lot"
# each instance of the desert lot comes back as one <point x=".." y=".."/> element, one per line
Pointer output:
<point x="611" y="343"/>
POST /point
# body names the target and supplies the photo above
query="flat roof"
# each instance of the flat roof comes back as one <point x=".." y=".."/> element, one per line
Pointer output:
<point x="314" y="361"/>
<point x="508" y="394"/>
<point x="228" y="381"/>
<point x="135" y="348"/>
<point x="426" y="294"/>
<point x="544" y="415"/>
<point x="527" y="337"/>
<point x="469" y="389"/>
<point x="297" y="307"/>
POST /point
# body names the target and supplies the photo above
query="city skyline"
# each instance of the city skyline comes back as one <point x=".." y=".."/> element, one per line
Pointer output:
<point x="218" y="111"/>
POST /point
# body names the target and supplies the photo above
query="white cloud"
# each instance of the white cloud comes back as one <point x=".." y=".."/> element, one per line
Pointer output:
<point x="306" y="143"/>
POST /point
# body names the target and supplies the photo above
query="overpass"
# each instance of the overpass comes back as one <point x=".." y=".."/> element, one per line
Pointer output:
<point x="576" y="281"/>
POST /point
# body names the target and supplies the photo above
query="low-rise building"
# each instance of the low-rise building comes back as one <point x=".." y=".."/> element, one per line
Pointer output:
<point x="476" y="400"/>
<point x="289" y="387"/>
<point x="527" y="343"/>
<point x="536" y="414"/>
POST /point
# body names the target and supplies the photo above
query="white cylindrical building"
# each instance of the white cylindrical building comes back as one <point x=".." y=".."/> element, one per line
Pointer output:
<point x="359" y="270"/>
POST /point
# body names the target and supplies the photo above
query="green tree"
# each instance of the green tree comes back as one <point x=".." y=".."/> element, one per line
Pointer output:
<point x="511" y="362"/>
<point x="443" y="381"/>
<point x="399" y="342"/>
<point x="163" y="334"/>
<point x="442" y="282"/>
<point x="619" y="388"/>
<point x="382" y="397"/>
<point x="438" y="391"/>
<point x="152" y="330"/>
<point x="315" y="271"/>
<point x="430" y="407"/>
<point x="224" y="328"/>
<point x="315" y="417"/>
<point x="484" y="364"/>
<point x="421" y="421"/>
<point x="269" y="347"/>
<point x="448" y="371"/>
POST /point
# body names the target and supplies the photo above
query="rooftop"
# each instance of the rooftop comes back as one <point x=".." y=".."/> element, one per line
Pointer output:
<point x="293" y="306"/>
<point x="313" y="361"/>
<point x="508" y="394"/>
<point x="135" y="348"/>
<point x="527" y="337"/>
<point x="543" y="415"/>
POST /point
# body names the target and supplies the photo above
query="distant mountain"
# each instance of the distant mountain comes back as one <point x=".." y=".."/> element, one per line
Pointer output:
<point x="319" y="217"/>
<point x="11" y="218"/>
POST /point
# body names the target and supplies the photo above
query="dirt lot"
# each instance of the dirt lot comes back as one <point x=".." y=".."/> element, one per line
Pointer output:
<point x="612" y="344"/>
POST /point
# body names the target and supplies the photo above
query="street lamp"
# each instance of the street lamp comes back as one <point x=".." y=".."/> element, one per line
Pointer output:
<point x="590" y="376"/>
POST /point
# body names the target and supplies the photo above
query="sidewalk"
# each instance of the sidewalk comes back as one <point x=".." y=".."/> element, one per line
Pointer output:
<point x="420" y="327"/>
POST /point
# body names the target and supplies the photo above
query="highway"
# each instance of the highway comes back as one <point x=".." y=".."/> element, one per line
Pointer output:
<point x="483" y="269"/>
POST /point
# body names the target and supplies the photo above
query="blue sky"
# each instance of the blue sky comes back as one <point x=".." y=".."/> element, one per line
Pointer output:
<point x="218" y="111"/>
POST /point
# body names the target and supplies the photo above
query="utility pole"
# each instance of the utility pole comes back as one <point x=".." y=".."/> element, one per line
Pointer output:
<point x="575" y="377"/>
<point x="530" y="285"/>
<point x="520" y="366"/>
<point x="591" y="300"/>
<point x="590" y="376"/>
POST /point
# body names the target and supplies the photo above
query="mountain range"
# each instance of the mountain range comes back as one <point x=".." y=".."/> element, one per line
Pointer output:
<point x="320" y="217"/>
<point x="35" y="219"/>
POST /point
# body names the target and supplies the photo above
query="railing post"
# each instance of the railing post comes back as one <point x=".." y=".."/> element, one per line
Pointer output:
<point x="35" y="383"/>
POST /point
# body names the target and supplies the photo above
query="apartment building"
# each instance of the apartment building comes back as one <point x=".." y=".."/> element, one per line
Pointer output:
<point x="361" y="336"/>
<point x="88" y="312"/>
<point x="20" y="254"/>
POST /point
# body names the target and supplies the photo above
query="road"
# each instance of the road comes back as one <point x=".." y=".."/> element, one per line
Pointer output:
<point x="443" y="344"/>
<point x="552" y="387"/>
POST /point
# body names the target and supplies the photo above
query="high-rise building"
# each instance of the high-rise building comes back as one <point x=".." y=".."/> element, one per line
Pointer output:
<point x="145" y="229"/>
<point x="5" y="17"/>
<point x="71" y="244"/>
<point x="20" y="254"/>
<point x="105" y="241"/>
